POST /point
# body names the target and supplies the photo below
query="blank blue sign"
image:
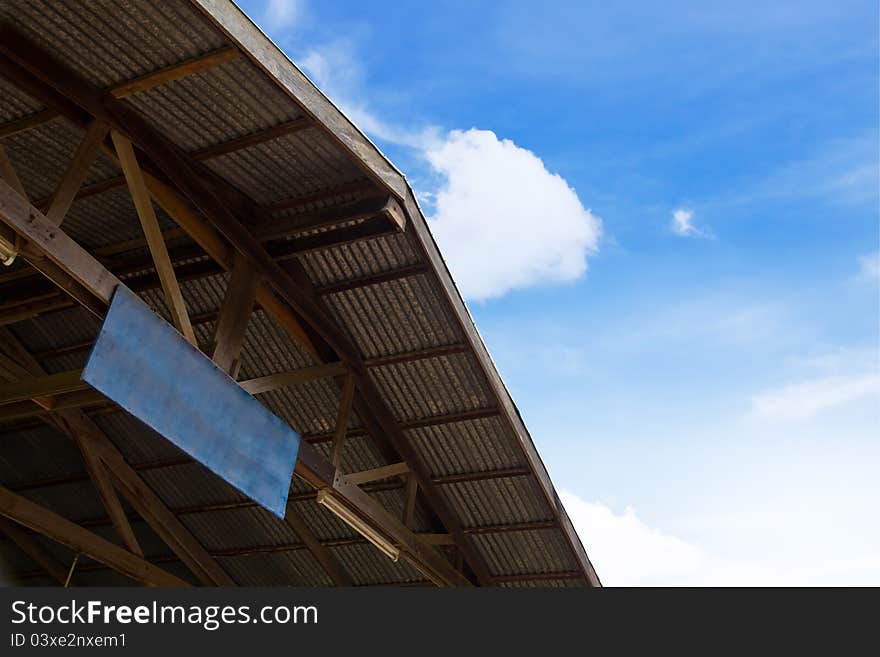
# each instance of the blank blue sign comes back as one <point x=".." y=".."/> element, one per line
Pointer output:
<point x="146" y="367"/>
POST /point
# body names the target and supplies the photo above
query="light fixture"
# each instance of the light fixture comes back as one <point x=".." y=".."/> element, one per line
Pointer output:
<point x="8" y="250"/>
<point x="346" y="515"/>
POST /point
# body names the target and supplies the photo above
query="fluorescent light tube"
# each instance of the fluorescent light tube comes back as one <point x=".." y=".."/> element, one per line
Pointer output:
<point x="346" y="515"/>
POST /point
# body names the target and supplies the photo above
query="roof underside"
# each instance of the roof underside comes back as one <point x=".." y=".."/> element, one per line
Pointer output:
<point x="448" y="401"/>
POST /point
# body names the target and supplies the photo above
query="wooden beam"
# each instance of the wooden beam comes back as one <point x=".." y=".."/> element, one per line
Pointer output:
<point x="235" y="313"/>
<point x="67" y="389"/>
<point x="417" y="354"/>
<point x="375" y="227"/>
<point x="28" y="122"/>
<point x="56" y="246"/>
<point x="82" y="431"/>
<point x="42" y="386"/>
<point x="175" y="72"/>
<point x="333" y="216"/>
<point x="345" y="402"/>
<point x="144" y="206"/>
<point x="382" y="472"/>
<point x="378" y="361"/>
<point x="328" y="562"/>
<point x="252" y="139"/>
<point x="294" y="377"/>
<point x="436" y="539"/>
<point x="10" y="243"/>
<point x="296" y="202"/>
<point x="71" y="381"/>
<point x="72" y="180"/>
<point x="43" y="521"/>
<point x="409" y="510"/>
<point x="373" y="279"/>
<point x="34" y="550"/>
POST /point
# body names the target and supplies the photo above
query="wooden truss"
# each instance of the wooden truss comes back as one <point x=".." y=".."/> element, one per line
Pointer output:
<point x="262" y="273"/>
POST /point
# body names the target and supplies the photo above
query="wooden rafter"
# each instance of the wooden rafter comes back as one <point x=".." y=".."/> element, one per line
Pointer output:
<point x="144" y="206"/>
<point x="252" y="139"/>
<point x="68" y="390"/>
<point x="293" y="377"/>
<point x="73" y="178"/>
<point x="33" y="387"/>
<point x="41" y="520"/>
<point x="28" y="122"/>
<point x="382" y="472"/>
<point x="10" y="244"/>
<point x="175" y="72"/>
<point x="409" y="509"/>
<point x="342" y="417"/>
<point x="235" y="312"/>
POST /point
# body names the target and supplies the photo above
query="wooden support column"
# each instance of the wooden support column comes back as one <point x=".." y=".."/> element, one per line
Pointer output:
<point x="234" y="315"/>
<point x="83" y="158"/>
<point x="144" y="206"/>
<point x="60" y="529"/>
<point x="342" y="417"/>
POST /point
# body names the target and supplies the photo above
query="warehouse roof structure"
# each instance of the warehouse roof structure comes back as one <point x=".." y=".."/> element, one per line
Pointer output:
<point x="172" y="149"/>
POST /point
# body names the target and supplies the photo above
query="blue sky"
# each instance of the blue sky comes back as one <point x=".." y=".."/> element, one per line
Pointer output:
<point x="664" y="217"/>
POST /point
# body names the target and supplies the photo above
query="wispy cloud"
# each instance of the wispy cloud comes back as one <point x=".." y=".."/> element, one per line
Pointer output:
<point x="280" y="14"/>
<point x="869" y="268"/>
<point x="336" y="69"/>
<point x="805" y="399"/>
<point x="683" y="224"/>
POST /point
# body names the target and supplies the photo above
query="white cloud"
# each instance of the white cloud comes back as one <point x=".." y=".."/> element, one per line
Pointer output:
<point x="502" y="220"/>
<point x="683" y="224"/>
<point x="625" y="551"/>
<point x="279" y="14"/>
<point x="805" y="399"/>
<point x="869" y="267"/>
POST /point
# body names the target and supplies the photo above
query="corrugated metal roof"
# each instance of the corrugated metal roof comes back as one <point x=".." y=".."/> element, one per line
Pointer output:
<point x="114" y="41"/>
